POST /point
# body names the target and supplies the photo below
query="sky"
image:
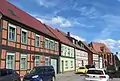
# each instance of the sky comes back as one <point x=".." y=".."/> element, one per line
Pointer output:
<point x="86" y="20"/>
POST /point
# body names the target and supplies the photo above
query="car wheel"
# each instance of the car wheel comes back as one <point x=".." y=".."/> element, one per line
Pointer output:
<point x="53" y="79"/>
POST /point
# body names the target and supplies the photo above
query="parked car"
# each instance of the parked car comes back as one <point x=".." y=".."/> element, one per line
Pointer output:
<point x="9" y="75"/>
<point x="41" y="73"/>
<point x="111" y="71"/>
<point x="90" y="66"/>
<point x="96" y="75"/>
<point x="81" y="70"/>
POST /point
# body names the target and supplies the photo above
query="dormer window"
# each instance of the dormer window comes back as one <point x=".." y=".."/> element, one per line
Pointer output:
<point x="12" y="12"/>
<point x="82" y="45"/>
<point x="73" y="41"/>
<point x="102" y="49"/>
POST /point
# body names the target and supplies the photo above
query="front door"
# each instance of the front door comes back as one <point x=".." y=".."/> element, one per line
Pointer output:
<point x="54" y="64"/>
<point x="62" y="66"/>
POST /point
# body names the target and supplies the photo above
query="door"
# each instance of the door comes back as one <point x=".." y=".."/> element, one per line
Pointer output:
<point x="54" y="64"/>
<point x="62" y="66"/>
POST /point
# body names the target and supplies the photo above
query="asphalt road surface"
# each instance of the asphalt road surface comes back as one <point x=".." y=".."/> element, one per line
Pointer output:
<point x="75" y="77"/>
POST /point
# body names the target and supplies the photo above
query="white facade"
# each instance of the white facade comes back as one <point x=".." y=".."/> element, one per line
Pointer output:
<point x="67" y="58"/>
<point x="101" y="62"/>
<point x="81" y="58"/>
<point x="67" y="51"/>
<point x="96" y="60"/>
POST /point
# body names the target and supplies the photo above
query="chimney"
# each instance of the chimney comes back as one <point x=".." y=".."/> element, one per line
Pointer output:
<point x="68" y="34"/>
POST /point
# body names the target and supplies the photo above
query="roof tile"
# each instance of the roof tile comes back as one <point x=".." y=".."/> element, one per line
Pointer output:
<point x="97" y="47"/>
<point x="59" y="35"/>
<point x="19" y="15"/>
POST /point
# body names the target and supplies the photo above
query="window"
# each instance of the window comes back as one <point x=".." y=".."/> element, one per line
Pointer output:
<point x="12" y="32"/>
<point x="81" y="45"/>
<point x="23" y="62"/>
<point x="73" y="41"/>
<point x="24" y="36"/>
<point x="37" y="60"/>
<point x="68" y="51"/>
<point x="99" y="72"/>
<point x="62" y="49"/>
<point x="81" y="67"/>
<point x="72" y="52"/>
<point x="47" y="43"/>
<point x="12" y="12"/>
<point x="37" y="70"/>
<point x="46" y="61"/>
<point x="37" y="41"/>
<point x="65" y="51"/>
<point x="10" y="71"/>
<point x="56" y="46"/>
<point x="51" y="45"/>
<point x="71" y="64"/>
<point x="66" y="64"/>
<point x="10" y="60"/>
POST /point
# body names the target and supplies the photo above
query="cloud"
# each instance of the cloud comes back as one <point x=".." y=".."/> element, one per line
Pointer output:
<point x="47" y="3"/>
<point x="63" y="22"/>
<point x="60" y="21"/>
<point x="78" y="37"/>
<point x="83" y="25"/>
<point x="112" y="24"/>
<point x="88" y="11"/>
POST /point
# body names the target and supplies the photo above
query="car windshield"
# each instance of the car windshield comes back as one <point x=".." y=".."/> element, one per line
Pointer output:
<point x="99" y="72"/>
<point x="81" y="67"/>
<point x="90" y="66"/>
<point x="36" y="70"/>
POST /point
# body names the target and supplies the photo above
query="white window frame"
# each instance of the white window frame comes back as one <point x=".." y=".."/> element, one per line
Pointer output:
<point x="69" y="54"/>
<point x="11" y="26"/>
<point x="12" y="54"/>
<point x="37" y="60"/>
<point x="23" y="56"/>
<point x="46" y="44"/>
<point x="48" y="61"/>
<point x="56" y="46"/>
<point x="71" y="62"/>
<point x="66" y="64"/>
<point x="52" y="45"/>
<point x="36" y="40"/>
<point x="23" y="30"/>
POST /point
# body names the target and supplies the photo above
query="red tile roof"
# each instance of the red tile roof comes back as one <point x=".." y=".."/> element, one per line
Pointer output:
<point x="11" y="11"/>
<point x="89" y="48"/>
<point x="61" y="37"/>
<point x="77" y="46"/>
<point x="97" y="47"/>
